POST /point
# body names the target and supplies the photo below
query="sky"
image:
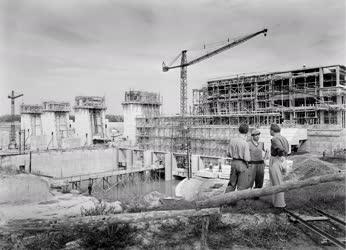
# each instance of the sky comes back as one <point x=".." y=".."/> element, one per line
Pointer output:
<point x="59" y="49"/>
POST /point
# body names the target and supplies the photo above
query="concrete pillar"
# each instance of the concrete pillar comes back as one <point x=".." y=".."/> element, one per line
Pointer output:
<point x="337" y="76"/>
<point x="122" y="155"/>
<point x="148" y="158"/>
<point x="339" y="112"/>
<point x="194" y="164"/>
<point x="168" y="166"/>
<point x="83" y="126"/>
<point x="321" y="115"/>
<point x="49" y="128"/>
<point x="116" y="152"/>
<point x="129" y="158"/>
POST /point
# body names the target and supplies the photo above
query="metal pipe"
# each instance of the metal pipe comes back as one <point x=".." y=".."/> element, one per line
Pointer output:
<point x="331" y="217"/>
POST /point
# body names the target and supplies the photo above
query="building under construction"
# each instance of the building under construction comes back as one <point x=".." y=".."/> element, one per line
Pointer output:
<point x="139" y="103"/>
<point x="303" y="96"/>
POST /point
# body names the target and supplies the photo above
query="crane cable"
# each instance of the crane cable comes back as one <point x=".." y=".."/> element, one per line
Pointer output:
<point x="208" y="47"/>
<point x="174" y="60"/>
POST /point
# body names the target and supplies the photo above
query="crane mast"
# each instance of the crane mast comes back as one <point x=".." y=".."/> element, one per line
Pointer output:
<point x="184" y="64"/>
<point x="183" y="84"/>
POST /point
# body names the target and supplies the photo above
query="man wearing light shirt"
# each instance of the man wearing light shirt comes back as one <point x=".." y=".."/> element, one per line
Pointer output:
<point x="238" y="150"/>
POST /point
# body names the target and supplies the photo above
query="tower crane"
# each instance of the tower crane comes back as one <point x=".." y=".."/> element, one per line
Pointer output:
<point x="184" y="64"/>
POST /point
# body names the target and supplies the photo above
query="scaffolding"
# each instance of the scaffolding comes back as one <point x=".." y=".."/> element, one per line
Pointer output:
<point x="305" y="96"/>
<point x="201" y="134"/>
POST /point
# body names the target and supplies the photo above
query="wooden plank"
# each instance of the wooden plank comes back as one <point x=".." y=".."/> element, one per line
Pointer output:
<point x="310" y="218"/>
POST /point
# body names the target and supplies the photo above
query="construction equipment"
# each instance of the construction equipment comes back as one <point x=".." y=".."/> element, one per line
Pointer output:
<point x="184" y="63"/>
<point x="13" y="143"/>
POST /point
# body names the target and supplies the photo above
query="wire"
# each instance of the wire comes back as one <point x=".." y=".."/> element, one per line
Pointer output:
<point x="174" y="60"/>
<point x="214" y="44"/>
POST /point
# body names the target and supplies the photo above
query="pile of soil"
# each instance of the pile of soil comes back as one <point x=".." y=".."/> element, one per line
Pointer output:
<point x="307" y="166"/>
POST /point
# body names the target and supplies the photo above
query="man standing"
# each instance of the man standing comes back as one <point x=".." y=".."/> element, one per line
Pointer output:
<point x="238" y="150"/>
<point x="257" y="162"/>
<point x="278" y="150"/>
<point x="90" y="186"/>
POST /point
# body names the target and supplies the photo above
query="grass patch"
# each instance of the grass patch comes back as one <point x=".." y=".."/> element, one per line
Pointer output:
<point x="275" y="236"/>
<point x="100" y="208"/>
<point x="110" y="236"/>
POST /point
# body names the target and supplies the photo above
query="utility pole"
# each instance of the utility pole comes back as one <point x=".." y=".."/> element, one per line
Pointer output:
<point x="13" y="143"/>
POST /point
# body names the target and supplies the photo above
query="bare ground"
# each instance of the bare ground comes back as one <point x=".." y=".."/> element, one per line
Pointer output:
<point x="249" y="224"/>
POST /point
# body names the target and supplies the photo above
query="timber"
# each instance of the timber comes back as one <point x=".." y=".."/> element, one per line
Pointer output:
<point x="101" y="220"/>
<point x="228" y="198"/>
<point x="203" y="208"/>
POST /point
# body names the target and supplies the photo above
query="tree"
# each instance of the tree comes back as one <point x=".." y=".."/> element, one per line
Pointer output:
<point x="115" y="118"/>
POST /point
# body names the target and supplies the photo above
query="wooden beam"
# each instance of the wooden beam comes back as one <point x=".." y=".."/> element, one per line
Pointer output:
<point x="228" y="198"/>
<point x="100" y="220"/>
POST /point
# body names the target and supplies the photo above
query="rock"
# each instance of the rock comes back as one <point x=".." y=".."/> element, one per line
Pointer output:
<point x="75" y="191"/>
<point x="155" y="227"/>
<point x="144" y="240"/>
<point x="76" y="244"/>
<point x="153" y="199"/>
<point x="115" y="206"/>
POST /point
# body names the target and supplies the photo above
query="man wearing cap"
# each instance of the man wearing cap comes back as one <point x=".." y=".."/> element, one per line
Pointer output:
<point x="257" y="163"/>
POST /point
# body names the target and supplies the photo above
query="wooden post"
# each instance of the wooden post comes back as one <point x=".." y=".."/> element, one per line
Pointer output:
<point x="204" y="233"/>
<point x="30" y="162"/>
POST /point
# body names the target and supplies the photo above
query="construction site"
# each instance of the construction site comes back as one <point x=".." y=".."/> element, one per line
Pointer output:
<point x="309" y="99"/>
<point x="110" y="170"/>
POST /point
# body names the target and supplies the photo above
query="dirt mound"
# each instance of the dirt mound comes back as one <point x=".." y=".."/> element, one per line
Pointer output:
<point x="306" y="166"/>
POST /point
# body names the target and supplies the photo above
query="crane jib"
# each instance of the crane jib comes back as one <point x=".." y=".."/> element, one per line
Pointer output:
<point x="184" y="63"/>
<point x="219" y="50"/>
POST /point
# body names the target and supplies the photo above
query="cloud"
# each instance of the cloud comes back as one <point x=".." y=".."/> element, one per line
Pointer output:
<point x="69" y="47"/>
<point x="64" y="35"/>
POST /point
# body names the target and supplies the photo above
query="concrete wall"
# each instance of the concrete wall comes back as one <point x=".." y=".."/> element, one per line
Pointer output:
<point x="23" y="188"/>
<point x="5" y="128"/>
<point x="83" y="126"/>
<point x="328" y="140"/>
<point x="39" y="142"/>
<point x="131" y="111"/>
<point x="294" y="136"/>
<point x="65" y="163"/>
<point x="49" y="128"/>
